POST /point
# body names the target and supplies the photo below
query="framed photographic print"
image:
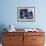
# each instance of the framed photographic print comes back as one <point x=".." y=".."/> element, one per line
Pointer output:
<point x="26" y="14"/>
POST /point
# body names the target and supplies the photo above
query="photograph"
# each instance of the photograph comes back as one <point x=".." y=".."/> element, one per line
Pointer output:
<point x="26" y="14"/>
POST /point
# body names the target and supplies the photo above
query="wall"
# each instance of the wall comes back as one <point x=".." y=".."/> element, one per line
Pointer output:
<point x="9" y="13"/>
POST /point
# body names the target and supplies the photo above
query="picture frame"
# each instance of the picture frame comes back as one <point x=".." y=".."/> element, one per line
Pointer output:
<point x="26" y="14"/>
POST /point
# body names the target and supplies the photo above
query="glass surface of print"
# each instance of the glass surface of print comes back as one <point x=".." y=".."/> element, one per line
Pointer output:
<point x="26" y="14"/>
